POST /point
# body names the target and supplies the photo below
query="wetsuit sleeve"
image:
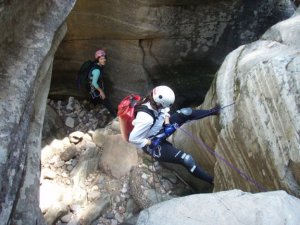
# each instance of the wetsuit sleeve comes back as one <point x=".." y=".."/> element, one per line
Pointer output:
<point x="96" y="76"/>
<point x="142" y="124"/>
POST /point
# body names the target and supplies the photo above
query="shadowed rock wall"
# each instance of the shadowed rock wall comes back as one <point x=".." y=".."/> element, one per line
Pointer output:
<point x="31" y="32"/>
<point x="179" y="43"/>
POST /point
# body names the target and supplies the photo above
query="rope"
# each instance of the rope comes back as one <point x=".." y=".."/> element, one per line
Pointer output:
<point x="248" y="178"/>
<point x="153" y="175"/>
<point x="206" y="147"/>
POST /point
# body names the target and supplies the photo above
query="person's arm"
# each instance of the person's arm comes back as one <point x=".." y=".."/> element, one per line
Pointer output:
<point x="96" y="75"/>
<point x="142" y="124"/>
<point x="165" y="111"/>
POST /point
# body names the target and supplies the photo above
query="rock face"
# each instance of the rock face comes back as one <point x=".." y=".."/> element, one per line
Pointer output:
<point x="30" y="34"/>
<point x="151" y="42"/>
<point x="257" y="141"/>
<point x="179" y="43"/>
<point x="231" y="207"/>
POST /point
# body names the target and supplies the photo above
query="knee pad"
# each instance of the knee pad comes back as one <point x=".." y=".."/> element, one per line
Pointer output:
<point x="189" y="162"/>
<point x="185" y="111"/>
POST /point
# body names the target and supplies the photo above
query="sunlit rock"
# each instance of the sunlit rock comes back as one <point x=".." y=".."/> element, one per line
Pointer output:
<point x="229" y="207"/>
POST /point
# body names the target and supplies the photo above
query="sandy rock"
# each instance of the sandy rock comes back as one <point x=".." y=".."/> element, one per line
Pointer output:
<point x="48" y="174"/>
<point x="94" y="210"/>
<point x="118" y="157"/>
<point x="68" y="153"/>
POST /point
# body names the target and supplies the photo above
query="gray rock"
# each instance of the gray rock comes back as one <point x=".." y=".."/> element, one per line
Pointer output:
<point x="67" y="218"/>
<point x="70" y="122"/>
<point x="70" y="105"/>
<point x="68" y="153"/>
<point x="53" y="126"/>
<point x="229" y="207"/>
<point x="94" y="210"/>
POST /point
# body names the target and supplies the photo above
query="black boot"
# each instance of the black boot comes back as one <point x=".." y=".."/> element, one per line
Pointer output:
<point x="201" y="173"/>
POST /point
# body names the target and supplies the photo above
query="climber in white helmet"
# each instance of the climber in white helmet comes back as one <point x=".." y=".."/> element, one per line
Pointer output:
<point x="149" y="133"/>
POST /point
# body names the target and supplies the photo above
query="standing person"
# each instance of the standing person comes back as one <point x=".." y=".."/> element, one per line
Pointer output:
<point x="96" y="82"/>
<point x="146" y="128"/>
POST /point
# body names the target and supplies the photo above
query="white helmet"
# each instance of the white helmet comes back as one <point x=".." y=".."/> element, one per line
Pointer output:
<point x="163" y="95"/>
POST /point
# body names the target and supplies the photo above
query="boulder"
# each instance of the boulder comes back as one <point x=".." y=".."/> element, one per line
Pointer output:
<point x="118" y="156"/>
<point x="228" y="207"/>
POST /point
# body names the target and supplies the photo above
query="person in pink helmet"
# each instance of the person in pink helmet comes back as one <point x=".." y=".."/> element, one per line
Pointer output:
<point x="96" y="82"/>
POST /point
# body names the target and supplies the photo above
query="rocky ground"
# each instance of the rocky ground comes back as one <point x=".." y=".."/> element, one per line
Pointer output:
<point x="84" y="193"/>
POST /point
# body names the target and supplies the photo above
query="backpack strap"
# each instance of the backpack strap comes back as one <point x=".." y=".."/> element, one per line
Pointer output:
<point x="143" y="108"/>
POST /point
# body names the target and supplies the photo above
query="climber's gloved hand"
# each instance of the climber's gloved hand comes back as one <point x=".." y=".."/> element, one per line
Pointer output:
<point x="169" y="129"/>
<point x="155" y="142"/>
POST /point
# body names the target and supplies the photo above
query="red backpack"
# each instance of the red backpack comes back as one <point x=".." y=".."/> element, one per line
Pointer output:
<point x="127" y="111"/>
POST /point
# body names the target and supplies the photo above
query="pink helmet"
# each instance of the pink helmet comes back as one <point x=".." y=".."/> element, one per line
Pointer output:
<point x="99" y="53"/>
